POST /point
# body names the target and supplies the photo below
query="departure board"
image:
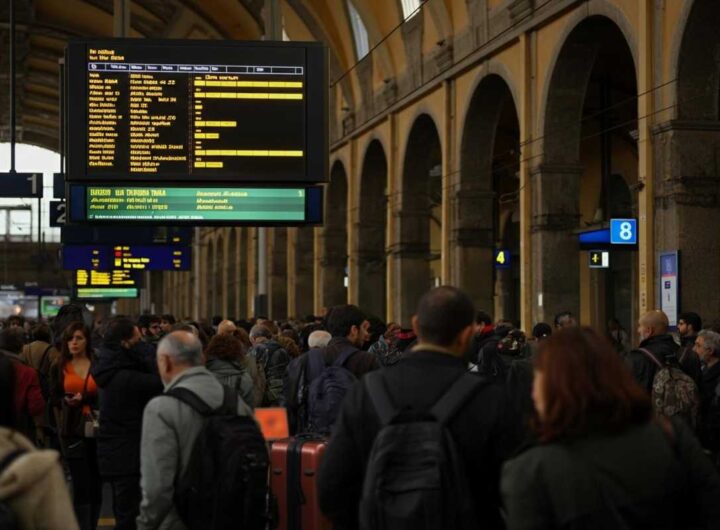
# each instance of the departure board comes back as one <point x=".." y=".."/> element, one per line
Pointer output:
<point x="112" y="278"/>
<point x="131" y="257"/>
<point x="116" y="203"/>
<point x="106" y="293"/>
<point x="168" y="111"/>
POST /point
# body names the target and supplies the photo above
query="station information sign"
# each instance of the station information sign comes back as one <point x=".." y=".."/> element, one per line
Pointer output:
<point x="168" y="111"/>
<point x="132" y="257"/>
<point x="197" y="205"/>
<point x="106" y="293"/>
<point x="112" y="278"/>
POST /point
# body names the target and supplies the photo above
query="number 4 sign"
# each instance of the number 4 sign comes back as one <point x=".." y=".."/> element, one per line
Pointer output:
<point x="623" y="232"/>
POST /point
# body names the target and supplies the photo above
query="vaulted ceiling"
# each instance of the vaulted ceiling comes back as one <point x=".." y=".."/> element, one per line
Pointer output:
<point x="44" y="26"/>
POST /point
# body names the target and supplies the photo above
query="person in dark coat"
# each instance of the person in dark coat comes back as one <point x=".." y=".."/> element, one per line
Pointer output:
<point x="707" y="348"/>
<point x="128" y="380"/>
<point x="444" y="325"/>
<point x="602" y="460"/>
<point x="655" y="340"/>
<point x="689" y="325"/>
<point x="349" y="329"/>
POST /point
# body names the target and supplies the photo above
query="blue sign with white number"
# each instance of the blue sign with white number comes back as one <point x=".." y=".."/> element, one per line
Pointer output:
<point x="623" y="232"/>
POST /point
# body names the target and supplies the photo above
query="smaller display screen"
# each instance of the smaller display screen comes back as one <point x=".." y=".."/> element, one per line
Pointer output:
<point x="50" y="305"/>
<point x="190" y="204"/>
<point x="113" y="278"/>
<point x="131" y="257"/>
<point x="108" y="293"/>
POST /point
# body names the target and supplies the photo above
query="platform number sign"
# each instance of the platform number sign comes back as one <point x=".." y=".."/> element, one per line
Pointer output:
<point x="599" y="259"/>
<point x="503" y="259"/>
<point x="623" y="232"/>
<point x="57" y="213"/>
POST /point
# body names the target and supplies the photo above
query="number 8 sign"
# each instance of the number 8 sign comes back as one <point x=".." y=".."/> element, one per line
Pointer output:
<point x="623" y="232"/>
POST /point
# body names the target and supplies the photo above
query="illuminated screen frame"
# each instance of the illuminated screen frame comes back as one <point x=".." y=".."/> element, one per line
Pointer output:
<point x="106" y="293"/>
<point x="316" y="105"/>
<point x="77" y="197"/>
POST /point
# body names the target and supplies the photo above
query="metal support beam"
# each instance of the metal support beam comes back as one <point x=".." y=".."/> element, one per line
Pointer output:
<point x="12" y="86"/>
<point x="121" y="18"/>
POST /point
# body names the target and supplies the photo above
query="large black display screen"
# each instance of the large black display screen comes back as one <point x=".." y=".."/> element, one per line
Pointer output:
<point x="168" y="111"/>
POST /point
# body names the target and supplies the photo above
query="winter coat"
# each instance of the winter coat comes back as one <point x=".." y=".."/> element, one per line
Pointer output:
<point x="33" y="486"/>
<point x="127" y="381"/>
<point x="170" y="428"/>
<point x="233" y="375"/>
<point x="689" y="360"/>
<point x="272" y="358"/>
<point x="640" y="478"/>
<point x="481" y="430"/>
<point x="709" y="425"/>
<point x="663" y="348"/>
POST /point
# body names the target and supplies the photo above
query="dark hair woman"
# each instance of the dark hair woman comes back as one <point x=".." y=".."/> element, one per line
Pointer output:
<point x="602" y="460"/>
<point x="226" y="360"/>
<point x="74" y="396"/>
<point x="8" y="414"/>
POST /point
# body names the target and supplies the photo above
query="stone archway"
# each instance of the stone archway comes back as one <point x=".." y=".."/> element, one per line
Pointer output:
<point x="488" y="192"/>
<point x="590" y="124"/>
<point x="334" y="239"/>
<point x="687" y="150"/>
<point x="371" y="245"/>
<point x="417" y="254"/>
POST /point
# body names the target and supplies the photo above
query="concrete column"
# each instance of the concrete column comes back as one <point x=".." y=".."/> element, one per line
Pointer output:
<point x="525" y="122"/>
<point x="555" y="216"/>
<point x="410" y="258"/>
<point x="300" y="289"/>
<point x="332" y="267"/>
<point x="250" y="250"/>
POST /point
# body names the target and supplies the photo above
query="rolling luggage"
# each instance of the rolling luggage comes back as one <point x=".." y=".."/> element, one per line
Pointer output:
<point x="294" y="466"/>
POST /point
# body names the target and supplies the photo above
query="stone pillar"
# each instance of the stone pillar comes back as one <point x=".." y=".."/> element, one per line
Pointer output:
<point x="410" y="258"/>
<point x="473" y="240"/>
<point x="277" y="296"/>
<point x="301" y="288"/>
<point x="555" y="257"/>
<point x="332" y="266"/>
<point x="688" y="210"/>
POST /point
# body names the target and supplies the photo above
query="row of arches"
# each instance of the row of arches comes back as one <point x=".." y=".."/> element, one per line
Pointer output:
<point x="394" y="216"/>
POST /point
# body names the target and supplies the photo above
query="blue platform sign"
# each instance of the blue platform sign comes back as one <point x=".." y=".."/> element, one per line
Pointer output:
<point x="503" y="258"/>
<point x="21" y="185"/>
<point x="623" y="232"/>
<point x="670" y="285"/>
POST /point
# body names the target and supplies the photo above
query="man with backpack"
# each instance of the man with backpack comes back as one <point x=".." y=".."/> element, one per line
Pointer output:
<point x="272" y="358"/>
<point x="419" y="445"/>
<point x="203" y="458"/>
<point x="654" y="365"/>
<point x="319" y="379"/>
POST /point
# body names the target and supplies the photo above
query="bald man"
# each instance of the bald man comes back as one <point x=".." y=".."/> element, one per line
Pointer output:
<point x="655" y="340"/>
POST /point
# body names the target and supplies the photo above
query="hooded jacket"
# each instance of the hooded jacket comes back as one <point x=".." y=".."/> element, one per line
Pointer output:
<point x="127" y="381"/>
<point x="663" y="348"/>
<point x="233" y="375"/>
<point x="170" y="428"/>
<point x="33" y="486"/>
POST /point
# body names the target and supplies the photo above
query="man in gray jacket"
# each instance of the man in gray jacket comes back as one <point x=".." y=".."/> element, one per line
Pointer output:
<point x="170" y="428"/>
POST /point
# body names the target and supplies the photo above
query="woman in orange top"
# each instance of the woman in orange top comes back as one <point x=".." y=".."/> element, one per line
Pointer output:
<point x="74" y="395"/>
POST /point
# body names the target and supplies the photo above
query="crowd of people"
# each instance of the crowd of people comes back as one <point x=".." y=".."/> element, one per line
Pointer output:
<point x="457" y="421"/>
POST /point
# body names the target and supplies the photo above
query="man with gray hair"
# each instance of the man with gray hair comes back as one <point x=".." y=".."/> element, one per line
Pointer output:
<point x="171" y="426"/>
<point x="707" y="347"/>
<point x="319" y="339"/>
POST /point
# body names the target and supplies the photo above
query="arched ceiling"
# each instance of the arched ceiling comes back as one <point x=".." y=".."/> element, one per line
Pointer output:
<point x="44" y="26"/>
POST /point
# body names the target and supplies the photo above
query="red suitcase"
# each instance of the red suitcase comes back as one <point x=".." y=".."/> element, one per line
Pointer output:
<point x="294" y="466"/>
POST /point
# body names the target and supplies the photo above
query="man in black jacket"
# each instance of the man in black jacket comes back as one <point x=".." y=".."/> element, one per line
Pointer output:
<point x="127" y="380"/>
<point x="444" y="325"/>
<point x="689" y="325"/>
<point x="707" y="347"/>
<point x="655" y="341"/>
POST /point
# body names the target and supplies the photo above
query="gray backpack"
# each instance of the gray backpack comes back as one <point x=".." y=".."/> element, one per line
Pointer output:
<point x="674" y="393"/>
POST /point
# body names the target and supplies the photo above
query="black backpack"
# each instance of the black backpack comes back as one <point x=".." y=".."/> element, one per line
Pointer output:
<point x="327" y="391"/>
<point x="415" y="478"/>
<point x="225" y="484"/>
